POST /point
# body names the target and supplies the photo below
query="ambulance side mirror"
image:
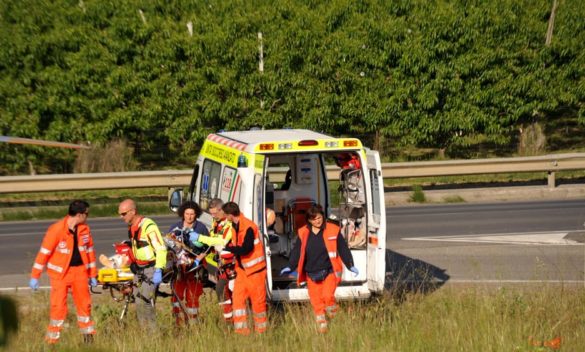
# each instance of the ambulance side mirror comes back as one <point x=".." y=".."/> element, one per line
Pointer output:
<point x="175" y="199"/>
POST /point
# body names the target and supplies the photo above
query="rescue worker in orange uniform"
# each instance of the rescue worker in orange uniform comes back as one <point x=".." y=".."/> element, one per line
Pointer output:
<point x="250" y="282"/>
<point x="187" y="286"/>
<point x="150" y="259"/>
<point x="220" y="227"/>
<point x="67" y="252"/>
<point x="319" y="254"/>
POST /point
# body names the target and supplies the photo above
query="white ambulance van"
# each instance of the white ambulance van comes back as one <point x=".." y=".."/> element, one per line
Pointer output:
<point x="276" y="175"/>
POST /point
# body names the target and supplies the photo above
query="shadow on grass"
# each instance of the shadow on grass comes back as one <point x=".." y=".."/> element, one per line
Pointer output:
<point x="405" y="275"/>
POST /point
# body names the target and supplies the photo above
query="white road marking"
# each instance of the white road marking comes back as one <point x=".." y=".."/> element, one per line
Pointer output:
<point x="529" y="238"/>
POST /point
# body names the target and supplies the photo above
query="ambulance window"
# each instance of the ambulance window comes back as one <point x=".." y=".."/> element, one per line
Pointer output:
<point x="209" y="182"/>
<point x="375" y="181"/>
<point x="230" y="186"/>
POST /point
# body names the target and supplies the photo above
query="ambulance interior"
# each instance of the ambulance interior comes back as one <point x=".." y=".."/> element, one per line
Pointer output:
<point x="294" y="183"/>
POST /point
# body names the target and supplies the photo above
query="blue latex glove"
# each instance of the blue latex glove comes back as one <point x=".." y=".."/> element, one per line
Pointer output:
<point x="157" y="277"/>
<point x="34" y="284"/>
<point x="285" y="271"/>
<point x="93" y="282"/>
<point x="355" y="271"/>
<point x="193" y="237"/>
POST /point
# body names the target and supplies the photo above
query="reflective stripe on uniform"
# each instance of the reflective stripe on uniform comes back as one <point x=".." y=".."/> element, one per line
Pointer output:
<point x="63" y="250"/>
<point x="83" y="319"/>
<point x="192" y="311"/>
<point x="320" y="317"/>
<point x="81" y="248"/>
<point x="90" y="265"/>
<point x="56" y="323"/>
<point x="55" y="267"/>
<point x="89" y="249"/>
<point x="87" y="330"/>
<point x="227" y="315"/>
<point x="177" y="304"/>
<point x="338" y="274"/>
<point x="239" y="313"/>
<point x="38" y="266"/>
<point x="256" y="241"/>
<point x="253" y="262"/>
<point x="332" y="254"/>
<point x="53" y="335"/>
<point x="45" y="251"/>
<point x="261" y="325"/>
<point x="260" y="315"/>
<point x="240" y="325"/>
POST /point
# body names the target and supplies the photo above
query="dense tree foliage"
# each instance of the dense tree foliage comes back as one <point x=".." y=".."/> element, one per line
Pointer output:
<point x="426" y="73"/>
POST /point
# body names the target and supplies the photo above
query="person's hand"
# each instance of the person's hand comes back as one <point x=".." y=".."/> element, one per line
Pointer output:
<point x="355" y="271"/>
<point x="285" y="271"/>
<point x="93" y="282"/>
<point x="157" y="277"/>
<point x="196" y="263"/>
<point x="33" y="284"/>
<point x="193" y="237"/>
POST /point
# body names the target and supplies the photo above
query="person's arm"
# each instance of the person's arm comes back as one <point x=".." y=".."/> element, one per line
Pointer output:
<point x="157" y="243"/>
<point x="344" y="251"/>
<point x="91" y="256"/>
<point x="47" y="247"/>
<point x="295" y="255"/>
<point x="246" y="247"/>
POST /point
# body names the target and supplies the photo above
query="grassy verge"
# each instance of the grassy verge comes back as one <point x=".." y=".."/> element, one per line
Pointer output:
<point x="450" y="319"/>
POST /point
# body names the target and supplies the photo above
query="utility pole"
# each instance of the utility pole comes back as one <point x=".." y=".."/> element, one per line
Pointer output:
<point x="261" y="64"/>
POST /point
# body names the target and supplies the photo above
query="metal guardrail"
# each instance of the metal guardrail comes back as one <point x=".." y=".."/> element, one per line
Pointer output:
<point x="179" y="178"/>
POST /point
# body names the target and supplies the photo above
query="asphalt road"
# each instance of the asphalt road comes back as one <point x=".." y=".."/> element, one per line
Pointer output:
<point x="463" y="243"/>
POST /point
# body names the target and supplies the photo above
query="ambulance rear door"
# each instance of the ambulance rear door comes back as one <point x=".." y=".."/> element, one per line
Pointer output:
<point x="376" y="244"/>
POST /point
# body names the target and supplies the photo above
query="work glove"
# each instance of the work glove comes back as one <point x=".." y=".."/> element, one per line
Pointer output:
<point x="93" y="282"/>
<point x="157" y="277"/>
<point x="193" y="237"/>
<point x="355" y="271"/>
<point x="285" y="271"/>
<point x="196" y="263"/>
<point x="34" y="284"/>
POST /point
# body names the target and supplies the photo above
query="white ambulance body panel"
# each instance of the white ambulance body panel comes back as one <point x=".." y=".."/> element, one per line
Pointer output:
<point x="287" y="171"/>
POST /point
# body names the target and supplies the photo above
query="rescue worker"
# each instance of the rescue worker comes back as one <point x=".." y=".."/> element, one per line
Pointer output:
<point x="250" y="282"/>
<point x="318" y="255"/>
<point x="187" y="286"/>
<point x="150" y="258"/>
<point x="220" y="227"/>
<point x="67" y="251"/>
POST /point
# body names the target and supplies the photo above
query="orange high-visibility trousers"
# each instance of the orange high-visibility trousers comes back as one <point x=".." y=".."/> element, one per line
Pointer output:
<point x="188" y="290"/>
<point x="75" y="279"/>
<point x="322" y="297"/>
<point x="251" y="287"/>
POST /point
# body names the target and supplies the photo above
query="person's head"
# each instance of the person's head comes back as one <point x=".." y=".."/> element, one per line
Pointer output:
<point x="127" y="211"/>
<point x="215" y="209"/>
<point x="79" y="209"/>
<point x="232" y="211"/>
<point x="189" y="211"/>
<point x="316" y="216"/>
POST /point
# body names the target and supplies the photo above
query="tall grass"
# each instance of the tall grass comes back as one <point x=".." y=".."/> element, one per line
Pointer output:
<point x="450" y="319"/>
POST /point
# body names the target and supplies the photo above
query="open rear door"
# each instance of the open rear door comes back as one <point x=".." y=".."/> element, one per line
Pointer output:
<point x="376" y="247"/>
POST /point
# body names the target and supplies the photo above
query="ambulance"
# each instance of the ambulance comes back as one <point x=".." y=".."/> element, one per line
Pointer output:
<point x="276" y="175"/>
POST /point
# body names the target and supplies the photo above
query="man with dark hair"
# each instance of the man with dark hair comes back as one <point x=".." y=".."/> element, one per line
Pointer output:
<point x="67" y="251"/>
<point x="250" y="282"/>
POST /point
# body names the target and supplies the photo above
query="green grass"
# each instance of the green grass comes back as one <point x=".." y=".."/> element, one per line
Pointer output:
<point x="450" y="319"/>
<point x="453" y="199"/>
<point x="417" y="196"/>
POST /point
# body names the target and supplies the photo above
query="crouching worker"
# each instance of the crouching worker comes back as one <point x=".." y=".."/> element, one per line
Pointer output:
<point x="318" y="255"/>
<point x="67" y="251"/>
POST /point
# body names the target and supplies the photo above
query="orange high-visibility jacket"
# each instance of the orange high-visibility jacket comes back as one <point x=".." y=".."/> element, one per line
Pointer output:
<point x="255" y="260"/>
<point x="57" y="249"/>
<point x="330" y="234"/>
